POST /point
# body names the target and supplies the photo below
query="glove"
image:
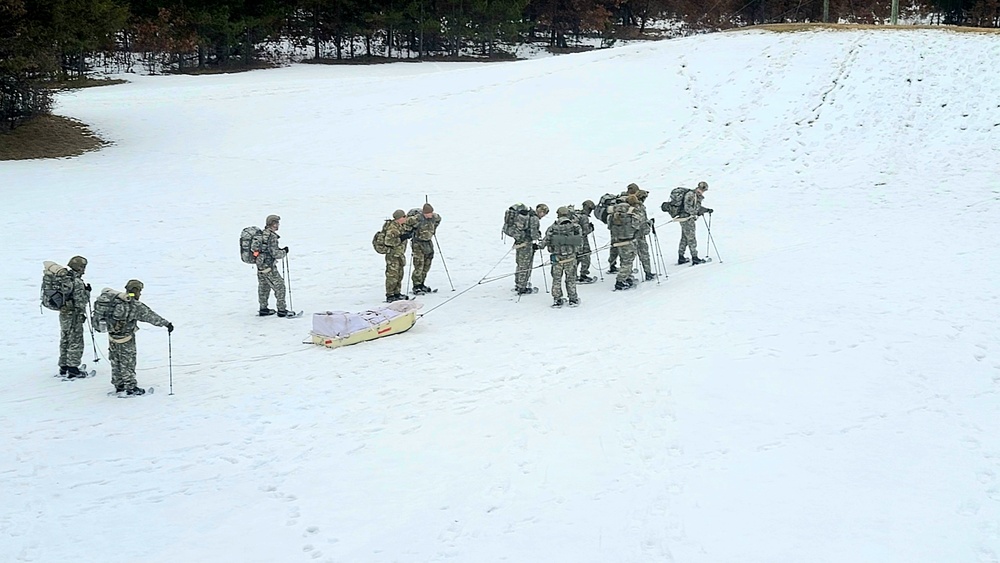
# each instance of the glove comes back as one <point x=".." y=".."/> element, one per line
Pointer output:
<point x="87" y="286"/>
<point x="285" y="249"/>
<point x="535" y="246"/>
<point x="708" y="210"/>
<point x="406" y="236"/>
<point x="170" y="327"/>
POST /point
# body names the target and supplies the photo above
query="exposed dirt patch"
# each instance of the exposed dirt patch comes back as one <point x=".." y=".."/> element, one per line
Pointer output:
<point x="76" y="83"/>
<point x="224" y="69"/>
<point x="792" y="27"/>
<point x="48" y="136"/>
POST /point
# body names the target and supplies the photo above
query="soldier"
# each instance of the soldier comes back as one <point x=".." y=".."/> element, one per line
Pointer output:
<point x="71" y="318"/>
<point x="525" y="247"/>
<point x="422" y="248"/>
<point x="397" y="232"/>
<point x="586" y="227"/>
<point x="641" y="239"/>
<point x="121" y="339"/>
<point x="268" y="277"/>
<point x="631" y="189"/>
<point x="624" y="225"/>
<point x="564" y="239"/>
<point x="688" y="219"/>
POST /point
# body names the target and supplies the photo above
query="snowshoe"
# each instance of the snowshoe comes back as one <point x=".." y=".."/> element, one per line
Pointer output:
<point x="135" y="391"/>
<point x="586" y="279"/>
<point x="266" y="312"/>
<point x="622" y="285"/>
<point x="527" y="291"/>
<point x="682" y="260"/>
<point x="282" y="313"/>
<point x="695" y="261"/>
<point x="558" y="302"/>
<point x="574" y="301"/>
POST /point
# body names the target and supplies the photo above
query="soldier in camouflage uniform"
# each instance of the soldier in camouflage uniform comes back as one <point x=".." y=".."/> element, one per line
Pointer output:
<point x="564" y="239"/>
<point x="688" y="218"/>
<point x="631" y="189"/>
<point x="582" y="217"/>
<point x="422" y="248"/>
<point x="397" y="232"/>
<point x="525" y="247"/>
<point x="642" y="238"/>
<point x="71" y="319"/>
<point x="121" y="339"/>
<point x="624" y="225"/>
<point x="268" y="277"/>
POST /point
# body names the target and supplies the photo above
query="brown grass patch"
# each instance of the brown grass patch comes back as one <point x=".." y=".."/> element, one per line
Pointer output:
<point x="223" y="69"/>
<point x="793" y="27"/>
<point x="75" y="83"/>
<point x="48" y="136"/>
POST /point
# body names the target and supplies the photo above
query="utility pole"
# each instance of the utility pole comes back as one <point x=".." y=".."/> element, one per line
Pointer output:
<point x="826" y="11"/>
<point x="894" y="16"/>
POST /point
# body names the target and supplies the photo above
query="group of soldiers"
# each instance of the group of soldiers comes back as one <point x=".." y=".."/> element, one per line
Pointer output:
<point x="420" y="227"/>
<point x="569" y="246"/>
<point x="121" y="330"/>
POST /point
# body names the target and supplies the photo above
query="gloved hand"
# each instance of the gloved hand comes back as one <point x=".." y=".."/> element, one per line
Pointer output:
<point x="406" y="236"/>
<point x="170" y="327"/>
<point x="535" y="246"/>
<point x="285" y="249"/>
<point x="87" y="286"/>
<point x="708" y="210"/>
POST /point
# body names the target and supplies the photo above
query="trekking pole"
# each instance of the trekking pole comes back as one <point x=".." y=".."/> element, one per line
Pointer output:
<point x="597" y="256"/>
<point x="545" y="281"/>
<point x="659" y="250"/>
<point x="653" y="257"/>
<point x="170" y="362"/>
<point x="287" y="270"/>
<point x="409" y="270"/>
<point x="711" y="239"/>
<point x="445" y="264"/>
<point x="90" y="325"/>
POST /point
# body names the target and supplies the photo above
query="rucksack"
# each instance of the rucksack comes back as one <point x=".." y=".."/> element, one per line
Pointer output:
<point x="675" y="204"/>
<point x="515" y="220"/>
<point x="57" y="286"/>
<point x="378" y="241"/>
<point x="247" y="238"/>
<point x="603" y="205"/>
<point x="111" y="310"/>
<point x="621" y="222"/>
<point x="565" y="238"/>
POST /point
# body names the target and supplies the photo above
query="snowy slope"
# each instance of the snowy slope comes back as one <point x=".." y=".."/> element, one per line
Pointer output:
<point x="828" y="392"/>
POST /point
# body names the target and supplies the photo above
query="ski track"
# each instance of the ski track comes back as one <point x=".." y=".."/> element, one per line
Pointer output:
<point x="826" y="391"/>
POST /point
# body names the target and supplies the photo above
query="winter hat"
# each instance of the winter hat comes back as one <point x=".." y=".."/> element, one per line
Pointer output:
<point x="271" y="219"/>
<point x="78" y="264"/>
<point x="427" y="208"/>
<point x="702" y="185"/>
<point x="562" y="211"/>
<point x="133" y="286"/>
<point x="542" y="208"/>
<point x="398" y="214"/>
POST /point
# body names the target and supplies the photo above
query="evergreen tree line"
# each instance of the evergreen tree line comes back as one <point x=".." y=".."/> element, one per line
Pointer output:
<point x="46" y="38"/>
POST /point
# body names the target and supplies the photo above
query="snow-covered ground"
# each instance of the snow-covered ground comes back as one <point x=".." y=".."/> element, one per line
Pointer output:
<point x="825" y="392"/>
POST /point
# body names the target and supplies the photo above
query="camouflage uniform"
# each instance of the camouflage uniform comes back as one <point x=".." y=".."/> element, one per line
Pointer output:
<point x="71" y="319"/>
<point x="564" y="238"/>
<point x="692" y="208"/>
<point x="641" y="242"/>
<point x="268" y="277"/>
<point x="624" y="226"/>
<point x="422" y="250"/>
<point x="525" y="252"/>
<point x="396" y="236"/>
<point x="121" y="343"/>
<point x="586" y="227"/>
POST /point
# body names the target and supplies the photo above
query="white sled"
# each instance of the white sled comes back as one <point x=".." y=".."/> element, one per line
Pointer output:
<point x="334" y="329"/>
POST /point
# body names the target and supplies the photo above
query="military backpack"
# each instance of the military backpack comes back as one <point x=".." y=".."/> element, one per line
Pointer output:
<point x="378" y="241"/>
<point x="516" y="220"/>
<point x="604" y="205"/>
<point x="250" y="240"/>
<point x="57" y="286"/>
<point x="675" y="204"/>
<point x="111" y="310"/>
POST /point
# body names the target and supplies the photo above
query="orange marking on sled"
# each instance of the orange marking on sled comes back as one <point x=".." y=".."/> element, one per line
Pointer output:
<point x="385" y="330"/>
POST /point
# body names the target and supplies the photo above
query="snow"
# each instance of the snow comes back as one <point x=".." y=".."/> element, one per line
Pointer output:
<point x="827" y="391"/>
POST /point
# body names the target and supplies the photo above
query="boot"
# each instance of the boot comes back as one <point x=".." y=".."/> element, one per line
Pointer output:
<point x="400" y="297"/>
<point x="265" y="312"/>
<point x="62" y="370"/>
<point x="74" y="372"/>
<point x="282" y="313"/>
<point x="390" y="297"/>
<point x="558" y="302"/>
<point x="621" y="285"/>
<point x="426" y="288"/>
<point x="695" y="260"/>
<point x="574" y="301"/>
<point x="524" y="291"/>
<point x="119" y="388"/>
<point x="135" y="391"/>
<point x="650" y="276"/>
<point x="613" y="269"/>
<point x="681" y="259"/>
<point x="418" y="289"/>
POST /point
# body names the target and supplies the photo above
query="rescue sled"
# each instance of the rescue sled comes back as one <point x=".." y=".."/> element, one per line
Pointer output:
<point x="334" y="329"/>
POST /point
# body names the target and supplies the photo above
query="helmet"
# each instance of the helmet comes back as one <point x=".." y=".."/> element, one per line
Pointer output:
<point x="542" y="208"/>
<point x="562" y="211"/>
<point x="632" y="188"/>
<point x="702" y="185"/>
<point x="271" y="219"/>
<point x="78" y="264"/>
<point x="398" y="214"/>
<point x="427" y="208"/>
<point x="588" y="206"/>
<point x="133" y="286"/>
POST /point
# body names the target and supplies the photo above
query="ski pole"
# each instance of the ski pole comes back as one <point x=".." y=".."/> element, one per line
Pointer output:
<point x="90" y="325"/>
<point x="545" y="281"/>
<point x="445" y="264"/>
<point x="288" y="281"/>
<point x="597" y="256"/>
<point x="409" y="270"/>
<point x="659" y="250"/>
<point x="711" y="239"/>
<point x="170" y="362"/>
